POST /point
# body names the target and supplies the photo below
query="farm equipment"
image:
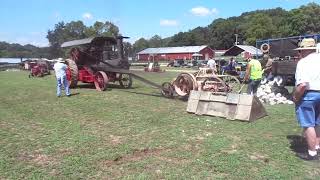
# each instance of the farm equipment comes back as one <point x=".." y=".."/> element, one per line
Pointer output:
<point x="284" y="55"/>
<point x="204" y="80"/>
<point x="39" y="69"/>
<point x="99" y="61"/>
<point x="230" y="106"/>
<point x="215" y="95"/>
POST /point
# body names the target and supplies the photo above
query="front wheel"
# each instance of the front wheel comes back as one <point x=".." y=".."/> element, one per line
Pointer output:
<point x="72" y="73"/>
<point x="167" y="90"/>
<point x="101" y="80"/>
<point x="125" y="81"/>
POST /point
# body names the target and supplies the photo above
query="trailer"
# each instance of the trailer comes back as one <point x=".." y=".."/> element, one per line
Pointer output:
<point x="284" y="56"/>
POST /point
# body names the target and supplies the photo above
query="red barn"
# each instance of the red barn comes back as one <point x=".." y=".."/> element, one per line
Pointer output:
<point x="172" y="53"/>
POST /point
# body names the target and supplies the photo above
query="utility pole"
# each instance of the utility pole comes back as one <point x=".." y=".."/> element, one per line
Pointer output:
<point x="236" y="43"/>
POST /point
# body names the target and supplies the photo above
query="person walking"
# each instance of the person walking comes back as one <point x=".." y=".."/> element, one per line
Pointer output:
<point x="60" y="69"/>
<point x="307" y="99"/>
<point x="253" y="75"/>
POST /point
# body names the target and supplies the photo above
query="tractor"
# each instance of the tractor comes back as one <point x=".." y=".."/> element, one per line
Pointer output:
<point x="98" y="60"/>
<point x="39" y="69"/>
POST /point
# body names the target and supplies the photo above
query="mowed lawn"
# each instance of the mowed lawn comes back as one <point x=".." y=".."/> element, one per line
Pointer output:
<point x="137" y="134"/>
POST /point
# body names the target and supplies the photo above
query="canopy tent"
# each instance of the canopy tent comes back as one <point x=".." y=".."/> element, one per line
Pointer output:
<point x="237" y="49"/>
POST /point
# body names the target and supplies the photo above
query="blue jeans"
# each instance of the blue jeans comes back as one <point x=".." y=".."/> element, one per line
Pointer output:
<point x="63" y="80"/>
<point x="308" y="109"/>
<point x="253" y="86"/>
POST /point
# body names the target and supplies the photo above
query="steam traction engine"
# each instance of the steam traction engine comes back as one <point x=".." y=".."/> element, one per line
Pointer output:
<point x="98" y="60"/>
<point x="39" y="69"/>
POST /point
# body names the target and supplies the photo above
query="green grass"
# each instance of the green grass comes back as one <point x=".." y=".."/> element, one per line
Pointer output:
<point x="136" y="134"/>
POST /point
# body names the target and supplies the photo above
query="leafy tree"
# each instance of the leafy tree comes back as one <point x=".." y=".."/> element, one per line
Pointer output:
<point x="260" y="26"/>
<point x="128" y="49"/>
<point x="140" y="44"/>
<point x="102" y="29"/>
<point x="305" y="20"/>
<point x="155" y="41"/>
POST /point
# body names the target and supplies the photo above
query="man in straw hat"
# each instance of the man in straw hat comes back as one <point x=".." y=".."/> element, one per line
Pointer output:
<point x="60" y="69"/>
<point x="307" y="96"/>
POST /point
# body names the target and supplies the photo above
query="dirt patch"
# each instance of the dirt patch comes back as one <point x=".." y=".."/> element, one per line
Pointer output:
<point x="234" y="146"/>
<point x="174" y="160"/>
<point x="268" y="135"/>
<point x="136" y="155"/>
<point x="37" y="158"/>
<point x="115" y="140"/>
<point x="64" y="152"/>
<point x="259" y="157"/>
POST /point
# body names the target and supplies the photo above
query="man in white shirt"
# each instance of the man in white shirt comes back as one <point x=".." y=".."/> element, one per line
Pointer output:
<point x="60" y="69"/>
<point x="307" y="99"/>
<point x="212" y="65"/>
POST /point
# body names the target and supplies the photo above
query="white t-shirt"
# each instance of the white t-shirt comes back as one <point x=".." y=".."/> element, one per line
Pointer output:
<point x="308" y="71"/>
<point x="60" y="69"/>
<point x="212" y="64"/>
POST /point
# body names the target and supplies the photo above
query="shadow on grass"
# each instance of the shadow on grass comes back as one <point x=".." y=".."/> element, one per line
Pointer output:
<point x="74" y="94"/>
<point x="86" y="86"/>
<point x="146" y="94"/>
<point x="109" y="86"/>
<point x="185" y="99"/>
<point x="298" y="144"/>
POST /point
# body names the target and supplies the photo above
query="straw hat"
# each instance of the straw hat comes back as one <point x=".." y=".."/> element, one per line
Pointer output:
<point x="307" y="44"/>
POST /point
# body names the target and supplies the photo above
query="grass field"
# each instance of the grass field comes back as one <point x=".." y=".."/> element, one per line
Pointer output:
<point x="137" y="134"/>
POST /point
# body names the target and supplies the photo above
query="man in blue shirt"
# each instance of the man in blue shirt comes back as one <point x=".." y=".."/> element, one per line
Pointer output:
<point x="60" y="69"/>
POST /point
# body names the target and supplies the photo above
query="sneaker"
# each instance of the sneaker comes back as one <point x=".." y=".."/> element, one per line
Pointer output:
<point x="307" y="157"/>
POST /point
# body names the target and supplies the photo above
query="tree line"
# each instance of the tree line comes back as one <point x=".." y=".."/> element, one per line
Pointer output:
<point x="15" y="50"/>
<point x="249" y="27"/>
<point x="220" y="34"/>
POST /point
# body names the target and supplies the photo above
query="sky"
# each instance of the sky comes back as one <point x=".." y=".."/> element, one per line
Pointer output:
<point x="28" y="21"/>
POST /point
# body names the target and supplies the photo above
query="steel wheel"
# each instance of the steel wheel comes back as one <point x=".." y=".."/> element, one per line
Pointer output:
<point x="184" y="83"/>
<point x="231" y="82"/>
<point x="72" y="73"/>
<point x="214" y="84"/>
<point x="167" y="90"/>
<point x="101" y="80"/>
<point x="125" y="80"/>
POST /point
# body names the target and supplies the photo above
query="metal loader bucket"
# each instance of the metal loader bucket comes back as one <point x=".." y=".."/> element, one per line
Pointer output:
<point x="230" y="106"/>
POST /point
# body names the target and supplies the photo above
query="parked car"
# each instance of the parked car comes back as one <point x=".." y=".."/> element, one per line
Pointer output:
<point x="202" y="63"/>
<point x="178" y="63"/>
<point x="192" y="63"/>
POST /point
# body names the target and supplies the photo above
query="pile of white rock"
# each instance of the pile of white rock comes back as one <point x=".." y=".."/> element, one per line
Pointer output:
<point x="270" y="92"/>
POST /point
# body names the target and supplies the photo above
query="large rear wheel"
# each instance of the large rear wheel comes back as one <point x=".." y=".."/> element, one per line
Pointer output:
<point x="101" y="80"/>
<point x="232" y="83"/>
<point x="184" y="83"/>
<point x="72" y="73"/>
